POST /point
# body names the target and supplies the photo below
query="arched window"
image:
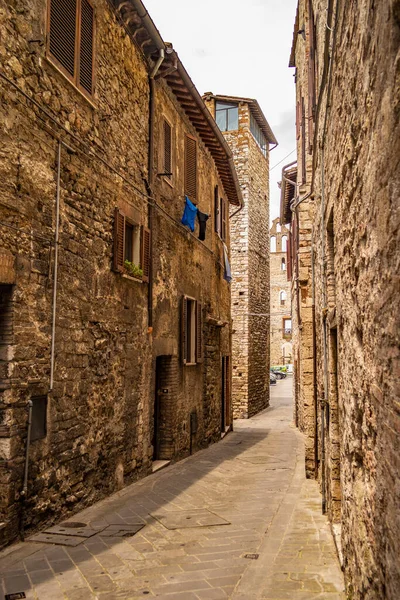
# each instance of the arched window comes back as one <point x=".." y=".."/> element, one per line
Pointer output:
<point x="283" y="264"/>
<point x="278" y="228"/>
<point x="284" y="241"/>
<point x="282" y="297"/>
<point x="273" y="244"/>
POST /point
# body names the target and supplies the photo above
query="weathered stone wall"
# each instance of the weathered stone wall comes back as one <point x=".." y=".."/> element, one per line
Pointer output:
<point x="356" y="235"/>
<point x="101" y="409"/>
<point x="250" y="272"/>
<point x="301" y="228"/>
<point x="281" y="346"/>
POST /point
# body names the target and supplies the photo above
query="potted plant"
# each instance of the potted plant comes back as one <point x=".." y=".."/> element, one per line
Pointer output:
<point x="133" y="270"/>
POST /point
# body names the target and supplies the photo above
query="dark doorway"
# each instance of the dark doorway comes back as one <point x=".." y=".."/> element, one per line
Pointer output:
<point x="225" y="393"/>
<point x="163" y="439"/>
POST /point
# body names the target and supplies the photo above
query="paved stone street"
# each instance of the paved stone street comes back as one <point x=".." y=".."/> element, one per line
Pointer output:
<point x="238" y="520"/>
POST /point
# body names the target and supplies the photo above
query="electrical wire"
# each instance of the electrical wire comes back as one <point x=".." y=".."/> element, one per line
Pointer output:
<point x="90" y="154"/>
<point x="281" y="161"/>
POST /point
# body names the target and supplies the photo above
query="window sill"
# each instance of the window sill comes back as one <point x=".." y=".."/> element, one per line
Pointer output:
<point x="50" y="62"/>
<point x="137" y="279"/>
<point x="190" y="364"/>
<point x="168" y="182"/>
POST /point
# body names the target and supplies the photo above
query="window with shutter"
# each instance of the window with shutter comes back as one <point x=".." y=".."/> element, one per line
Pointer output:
<point x="190" y="168"/>
<point x="303" y="142"/>
<point x="167" y="134"/>
<point x="70" y="40"/>
<point x="191" y="331"/>
<point x="216" y="209"/>
<point x="146" y="253"/>
<point x="86" y="47"/>
<point x="132" y="247"/>
<point x="199" y="332"/>
<point x="119" y="240"/>
<point x="184" y="331"/>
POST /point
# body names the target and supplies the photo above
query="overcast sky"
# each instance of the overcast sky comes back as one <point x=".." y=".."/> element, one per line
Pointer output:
<point x="239" y="48"/>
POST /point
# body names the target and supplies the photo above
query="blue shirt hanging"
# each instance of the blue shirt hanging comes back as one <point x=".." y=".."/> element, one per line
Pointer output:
<point x="189" y="214"/>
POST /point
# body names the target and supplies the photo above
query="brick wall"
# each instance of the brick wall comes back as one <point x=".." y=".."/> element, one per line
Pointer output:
<point x="250" y="271"/>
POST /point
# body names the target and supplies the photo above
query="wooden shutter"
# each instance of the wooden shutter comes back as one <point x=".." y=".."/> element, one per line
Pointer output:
<point x="167" y="148"/>
<point x="119" y="240"/>
<point x="62" y="33"/>
<point x="303" y="141"/>
<point x="289" y="257"/>
<point x="86" y="47"/>
<point x="223" y="219"/>
<point x="184" y="330"/>
<point x="145" y="258"/>
<point x="298" y="119"/>
<point x="199" y="332"/>
<point x="190" y="168"/>
<point x="216" y="209"/>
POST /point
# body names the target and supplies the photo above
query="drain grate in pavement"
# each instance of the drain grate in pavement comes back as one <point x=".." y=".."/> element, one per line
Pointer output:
<point x="15" y="596"/>
<point x="251" y="556"/>
<point x="121" y="530"/>
<point x="181" y="519"/>
<point x="68" y="535"/>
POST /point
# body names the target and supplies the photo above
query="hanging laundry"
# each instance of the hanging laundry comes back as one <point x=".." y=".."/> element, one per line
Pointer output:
<point x="227" y="274"/>
<point x="203" y="218"/>
<point x="189" y="214"/>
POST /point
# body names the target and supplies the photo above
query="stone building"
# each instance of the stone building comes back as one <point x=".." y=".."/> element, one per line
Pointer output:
<point x="114" y="317"/>
<point x="280" y="296"/>
<point x="249" y="136"/>
<point x="344" y="221"/>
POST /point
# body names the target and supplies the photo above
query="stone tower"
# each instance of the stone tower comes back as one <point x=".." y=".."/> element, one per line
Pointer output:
<point x="280" y="290"/>
<point x="248" y="134"/>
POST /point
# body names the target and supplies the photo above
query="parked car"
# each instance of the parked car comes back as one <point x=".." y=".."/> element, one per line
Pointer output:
<point x="279" y="372"/>
<point x="272" y="379"/>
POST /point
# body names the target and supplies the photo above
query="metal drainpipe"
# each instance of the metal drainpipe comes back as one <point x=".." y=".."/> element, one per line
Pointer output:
<point x="26" y="467"/>
<point x="324" y="333"/>
<point x="56" y="241"/>
<point x="151" y="182"/>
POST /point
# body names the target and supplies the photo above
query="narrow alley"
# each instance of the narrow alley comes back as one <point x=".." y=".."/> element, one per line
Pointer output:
<point x="238" y="520"/>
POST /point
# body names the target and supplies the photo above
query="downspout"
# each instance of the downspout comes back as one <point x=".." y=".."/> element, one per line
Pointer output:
<point x="151" y="181"/>
<point x="26" y="467"/>
<point x="56" y="242"/>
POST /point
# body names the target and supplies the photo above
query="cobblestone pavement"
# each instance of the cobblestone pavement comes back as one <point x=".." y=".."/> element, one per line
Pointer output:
<point x="238" y="520"/>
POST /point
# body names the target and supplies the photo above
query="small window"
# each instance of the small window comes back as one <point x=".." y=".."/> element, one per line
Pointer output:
<point x="191" y="168"/>
<point x="70" y="40"/>
<point x="283" y="264"/>
<point x="287" y="327"/>
<point x="167" y="153"/>
<point x="282" y="298"/>
<point x="258" y="135"/>
<point x="131" y="247"/>
<point x="284" y="243"/>
<point x="227" y="116"/>
<point x="39" y="418"/>
<point x="192" y="331"/>
<point x="273" y="243"/>
<point x="132" y="243"/>
<point x="278" y="228"/>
